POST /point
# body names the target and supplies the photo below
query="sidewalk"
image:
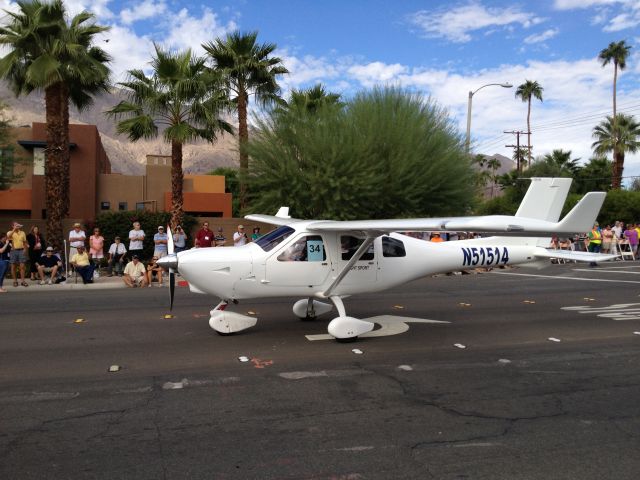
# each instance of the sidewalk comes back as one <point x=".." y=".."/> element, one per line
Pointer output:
<point x="101" y="283"/>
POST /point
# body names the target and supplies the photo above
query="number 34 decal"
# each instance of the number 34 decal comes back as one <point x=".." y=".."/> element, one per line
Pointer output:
<point x="484" y="256"/>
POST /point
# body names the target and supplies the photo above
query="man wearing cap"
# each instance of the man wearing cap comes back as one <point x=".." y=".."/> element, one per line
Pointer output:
<point x="18" y="253"/>
<point x="77" y="237"/>
<point x="160" y="240"/>
<point x="239" y="237"/>
<point x="50" y="264"/>
<point x="134" y="274"/>
<point x="83" y="265"/>
<point x="204" y="237"/>
<point x="117" y="251"/>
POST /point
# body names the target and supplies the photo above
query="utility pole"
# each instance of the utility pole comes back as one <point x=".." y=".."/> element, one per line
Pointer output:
<point x="517" y="133"/>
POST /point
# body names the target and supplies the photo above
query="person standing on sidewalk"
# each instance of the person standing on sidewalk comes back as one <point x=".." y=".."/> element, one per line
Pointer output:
<point x="96" y="250"/>
<point x="77" y="237"/>
<point x="18" y="254"/>
<point x="36" y="249"/>
<point x="4" y="259"/>
<point x="136" y="240"/>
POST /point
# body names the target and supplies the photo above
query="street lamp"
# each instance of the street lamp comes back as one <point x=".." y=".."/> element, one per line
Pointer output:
<point x="471" y="94"/>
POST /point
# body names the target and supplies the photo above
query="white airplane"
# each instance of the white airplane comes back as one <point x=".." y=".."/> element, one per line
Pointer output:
<point x="330" y="260"/>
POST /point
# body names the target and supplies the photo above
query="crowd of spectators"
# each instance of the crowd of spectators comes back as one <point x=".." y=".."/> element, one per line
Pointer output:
<point x="28" y="256"/>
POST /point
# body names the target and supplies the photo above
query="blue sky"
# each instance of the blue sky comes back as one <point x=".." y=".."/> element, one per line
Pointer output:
<point x="442" y="49"/>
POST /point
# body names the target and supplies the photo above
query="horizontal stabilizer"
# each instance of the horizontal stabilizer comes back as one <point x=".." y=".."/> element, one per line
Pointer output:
<point x="582" y="217"/>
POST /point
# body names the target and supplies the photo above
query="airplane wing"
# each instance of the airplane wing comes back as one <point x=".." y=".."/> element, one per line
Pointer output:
<point x="579" y="219"/>
<point x="575" y="256"/>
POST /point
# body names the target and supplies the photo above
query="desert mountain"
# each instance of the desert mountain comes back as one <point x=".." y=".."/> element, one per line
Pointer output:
<point x="126" y="157"/>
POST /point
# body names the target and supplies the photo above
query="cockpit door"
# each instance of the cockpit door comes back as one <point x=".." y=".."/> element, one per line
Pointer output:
<point x="301" y="262"/>
<point x="365" y="270"/>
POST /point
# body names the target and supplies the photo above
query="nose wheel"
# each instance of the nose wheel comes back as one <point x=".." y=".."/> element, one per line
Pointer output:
<point x="227" y="323"/>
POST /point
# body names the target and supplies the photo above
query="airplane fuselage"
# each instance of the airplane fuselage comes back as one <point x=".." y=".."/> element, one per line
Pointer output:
<point x="306" y="263"/>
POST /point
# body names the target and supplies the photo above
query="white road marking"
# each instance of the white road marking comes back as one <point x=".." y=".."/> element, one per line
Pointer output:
<point x="357" y="351"/>
<point x="389" y="325"/>
<point x="405" y="368"/>
<point x="459" y="345"/>
<point x="603" y="271"/>
<point x="620" y="311"/>
<point x="554" y="339"/>
<point x="504" y="361"/>
<point x="566" y="278"/>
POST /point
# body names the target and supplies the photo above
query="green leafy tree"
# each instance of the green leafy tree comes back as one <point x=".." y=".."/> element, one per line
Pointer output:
<point x="616" y="53"/>
<point x="231" y="185"/>
<point x="595" y="176"/>
<point x="48" y="52"/>
<point x="528" y="90"/>
<point x="387" y="153"/>
<point x="247" y="69"/>
<point x="8" y="160"/>
<point x="182" y="99"/>
<point x="619" y="137"/>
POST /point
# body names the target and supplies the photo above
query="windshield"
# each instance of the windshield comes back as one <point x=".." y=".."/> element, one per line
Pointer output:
<point x="273" y="238"/>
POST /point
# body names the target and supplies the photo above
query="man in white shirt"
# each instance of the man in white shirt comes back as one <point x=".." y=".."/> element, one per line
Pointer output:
<point x="136" y="239"/>
<point x="77" y="238"/>
<point x="239" y="237"/>
<point x="117" y="251"/>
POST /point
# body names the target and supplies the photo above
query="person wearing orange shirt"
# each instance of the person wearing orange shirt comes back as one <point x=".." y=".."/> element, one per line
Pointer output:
<point x="436" y="238"/>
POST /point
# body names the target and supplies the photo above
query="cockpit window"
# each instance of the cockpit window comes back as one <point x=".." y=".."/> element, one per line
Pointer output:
<point x="349" y="246"/>
<point x="274" y="238"/>
<point x="305" y="249"/>
<point x="392" y="247"/>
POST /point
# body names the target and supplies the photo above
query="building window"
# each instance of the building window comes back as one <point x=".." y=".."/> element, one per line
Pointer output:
<point x="140" y="206"/>
<point x="38" y="161"/>
<point x="122" y="206"/>
<point x="105" y="205"/>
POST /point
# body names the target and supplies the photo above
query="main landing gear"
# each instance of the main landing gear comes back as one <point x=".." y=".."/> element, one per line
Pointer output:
<point x="343" y="328"/>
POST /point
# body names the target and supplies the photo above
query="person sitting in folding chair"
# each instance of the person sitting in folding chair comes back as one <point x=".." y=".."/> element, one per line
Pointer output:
<point x="82" y="265"/>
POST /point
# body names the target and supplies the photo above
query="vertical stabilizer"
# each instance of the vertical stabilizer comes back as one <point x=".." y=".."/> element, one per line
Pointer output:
<point x="544" y="199"/>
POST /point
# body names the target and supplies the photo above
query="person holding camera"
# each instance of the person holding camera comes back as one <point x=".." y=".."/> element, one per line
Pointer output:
<point x="239" y="237"/>
<point x="179" y="240"/>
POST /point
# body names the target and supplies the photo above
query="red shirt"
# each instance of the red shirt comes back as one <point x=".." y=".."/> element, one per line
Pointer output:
<point x="204" y="238"/>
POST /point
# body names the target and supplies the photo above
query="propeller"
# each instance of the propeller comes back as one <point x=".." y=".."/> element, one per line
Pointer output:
<point x="172" y="274"/>
<point x="170" y="263"/>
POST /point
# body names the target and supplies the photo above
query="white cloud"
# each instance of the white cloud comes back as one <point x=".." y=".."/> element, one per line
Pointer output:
<point x="541" y="37"/>
<point x="187" y="31"/>
<point x="457" y="24"/>
<point x="624" y="20"/>
<point x="142" y="11"/>
<point x="575" y="4"/>
<point x="99" y="7"/>
<point x="376" y="73"/>
<point x="307" y="70"/>
<point x="129" y="51"/>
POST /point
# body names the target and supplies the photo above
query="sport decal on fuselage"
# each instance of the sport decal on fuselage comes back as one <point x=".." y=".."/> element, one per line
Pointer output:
<point x="481" y="256"/>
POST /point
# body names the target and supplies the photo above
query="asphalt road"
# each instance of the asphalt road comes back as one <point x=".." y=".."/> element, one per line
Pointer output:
<point x="538" y="392"/>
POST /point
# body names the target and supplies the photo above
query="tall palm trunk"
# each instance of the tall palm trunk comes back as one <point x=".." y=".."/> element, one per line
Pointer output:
<point x="66" y="163"/>
<point x="54" y="166"/>
<point x="177" y="202"/>
<point x="529" y="132"/>
<point x="243" y="136"/>
<point x="618" y="157"/>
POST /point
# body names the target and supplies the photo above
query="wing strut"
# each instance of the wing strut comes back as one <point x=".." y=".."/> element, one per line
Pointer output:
<point x="356" y="256"/>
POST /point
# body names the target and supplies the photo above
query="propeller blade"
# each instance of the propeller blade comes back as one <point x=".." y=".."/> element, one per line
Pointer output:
<point x="170" y="246"/>
<point x="172" y="287"/>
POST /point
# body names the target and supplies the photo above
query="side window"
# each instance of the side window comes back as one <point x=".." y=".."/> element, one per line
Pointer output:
<point x="349" y="245"/>
<point x="305" y="249"/>
<point x="392" y="247"/>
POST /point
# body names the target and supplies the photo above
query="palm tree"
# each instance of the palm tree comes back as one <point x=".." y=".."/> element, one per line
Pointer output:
<point x="51" y="54"/>
<point x="562" y="159"/>
<point x="619" y="136"/>
<point x="312" y="99"/>
<point x="183" y="99"/>
<point x="525" y="91"/>
<point x="616" y="52"/>
<point x="247" y="69"/>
